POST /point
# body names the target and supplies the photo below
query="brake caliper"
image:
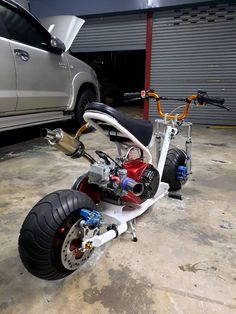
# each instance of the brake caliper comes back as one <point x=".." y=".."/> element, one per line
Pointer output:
<point x="92" y="218"/>
<point x="182" y="173"/>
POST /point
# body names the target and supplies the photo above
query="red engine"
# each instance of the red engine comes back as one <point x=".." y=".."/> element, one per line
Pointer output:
<point x="145" y="174"/>
<point x="102" y="184"/>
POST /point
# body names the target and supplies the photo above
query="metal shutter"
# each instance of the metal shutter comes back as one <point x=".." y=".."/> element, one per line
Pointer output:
<point x="112" y="33"/>
<point x="195" y="48"/>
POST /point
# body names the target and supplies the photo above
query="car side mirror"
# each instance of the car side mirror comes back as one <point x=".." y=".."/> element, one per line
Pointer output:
<point x="56" y="45"/>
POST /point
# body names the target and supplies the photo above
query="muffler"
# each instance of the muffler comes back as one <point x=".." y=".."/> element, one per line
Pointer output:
<point x="63" y="141"/>
<point x="69" y="145"/>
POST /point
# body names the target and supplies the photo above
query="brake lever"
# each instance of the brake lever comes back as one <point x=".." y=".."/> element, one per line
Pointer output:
<point x="221" y="106"/>
<point x="132" y="99"/>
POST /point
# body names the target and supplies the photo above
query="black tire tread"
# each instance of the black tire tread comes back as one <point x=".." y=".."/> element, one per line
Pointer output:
<point x="175" y="157"/>
<point x="36" y="240"/>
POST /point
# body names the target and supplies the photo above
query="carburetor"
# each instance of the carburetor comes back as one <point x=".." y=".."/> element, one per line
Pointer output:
<point x="99" y="173"/>
<point x="112" y="177"/>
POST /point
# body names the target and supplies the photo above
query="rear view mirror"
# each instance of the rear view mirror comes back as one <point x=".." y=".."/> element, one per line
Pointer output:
<point x="56" y="45"/>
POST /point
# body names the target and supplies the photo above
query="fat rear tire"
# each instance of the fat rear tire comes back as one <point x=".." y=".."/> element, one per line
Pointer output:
<point x="44" y="230"/>
<point x="175" y="158"/>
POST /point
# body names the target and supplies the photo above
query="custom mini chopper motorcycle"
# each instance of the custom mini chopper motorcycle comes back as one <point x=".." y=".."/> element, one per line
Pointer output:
<point x="61" y="231"/>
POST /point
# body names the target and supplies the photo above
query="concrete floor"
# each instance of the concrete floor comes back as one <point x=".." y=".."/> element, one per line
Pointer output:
<point x="184" y="261"/>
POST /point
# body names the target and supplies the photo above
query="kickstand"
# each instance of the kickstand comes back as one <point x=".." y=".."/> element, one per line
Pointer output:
<point x="132" y="231"/>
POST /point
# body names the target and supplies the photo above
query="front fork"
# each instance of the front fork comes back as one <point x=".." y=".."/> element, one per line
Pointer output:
<point x="163" y="138"/>
<point x="188" y="148"/>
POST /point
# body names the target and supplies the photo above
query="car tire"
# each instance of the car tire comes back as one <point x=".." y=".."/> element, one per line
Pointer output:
<point x="84" y="98"/>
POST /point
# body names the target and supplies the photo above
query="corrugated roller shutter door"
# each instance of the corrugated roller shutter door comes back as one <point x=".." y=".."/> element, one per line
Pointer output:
<point x="195" y="48"/>
<point x="111" y="34"/>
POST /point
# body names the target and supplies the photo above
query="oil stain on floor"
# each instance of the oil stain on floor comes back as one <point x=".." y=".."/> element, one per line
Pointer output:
<point x="133" y="293"/>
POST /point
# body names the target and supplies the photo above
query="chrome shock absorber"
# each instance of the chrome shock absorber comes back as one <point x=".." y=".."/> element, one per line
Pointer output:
<point x="158" y="139"/>
<point x="188" y="147"/>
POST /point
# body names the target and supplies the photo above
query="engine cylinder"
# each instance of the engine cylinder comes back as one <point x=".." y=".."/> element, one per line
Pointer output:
<point x="146" y="175"/>
<point x="130" y="185"/>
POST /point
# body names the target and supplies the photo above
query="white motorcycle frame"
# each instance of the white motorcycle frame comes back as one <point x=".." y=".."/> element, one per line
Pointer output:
<point x="122" y="215"/>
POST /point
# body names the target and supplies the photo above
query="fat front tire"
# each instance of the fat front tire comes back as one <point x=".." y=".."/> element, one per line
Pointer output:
<point x="175" y="158"/>
<point x="84" y="98"/>
<point x="51" y="235"/>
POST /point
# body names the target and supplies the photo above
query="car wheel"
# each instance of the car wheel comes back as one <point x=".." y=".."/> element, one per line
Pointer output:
<point x="85" y="97"/>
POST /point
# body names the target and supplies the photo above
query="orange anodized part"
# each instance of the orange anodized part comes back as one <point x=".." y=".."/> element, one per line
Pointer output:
<point x="81" y="130"/>
<point x="181" y="116"/>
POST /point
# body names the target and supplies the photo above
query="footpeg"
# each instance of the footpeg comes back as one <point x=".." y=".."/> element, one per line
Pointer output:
<point x="175" y="195"/>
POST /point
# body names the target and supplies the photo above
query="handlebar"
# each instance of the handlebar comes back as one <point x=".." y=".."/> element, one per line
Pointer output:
<point x="201" y="99"/>
<point x="132" y="96"/>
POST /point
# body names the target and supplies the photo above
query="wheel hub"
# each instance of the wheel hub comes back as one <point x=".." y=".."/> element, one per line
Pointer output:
<point x="72" y="254"/>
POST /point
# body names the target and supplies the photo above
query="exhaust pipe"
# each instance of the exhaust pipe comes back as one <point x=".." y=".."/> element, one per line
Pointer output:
<point x="63" y="141"/>
<point x="66" y="143"/>
<point x="53" y="136"/>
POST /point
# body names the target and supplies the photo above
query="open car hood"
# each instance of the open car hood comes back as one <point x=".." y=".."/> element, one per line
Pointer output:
<point x="64" y="27"/>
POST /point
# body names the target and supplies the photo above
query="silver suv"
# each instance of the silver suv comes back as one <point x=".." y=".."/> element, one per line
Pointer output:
<point x="40" y="81"/>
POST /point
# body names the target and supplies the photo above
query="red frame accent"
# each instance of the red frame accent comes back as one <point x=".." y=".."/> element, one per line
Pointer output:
<point x="148" y="63"/>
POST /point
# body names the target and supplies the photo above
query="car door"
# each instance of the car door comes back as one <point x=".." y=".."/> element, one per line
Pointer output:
<point x="8" y="93"/>
<point x="43" y="77"/>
